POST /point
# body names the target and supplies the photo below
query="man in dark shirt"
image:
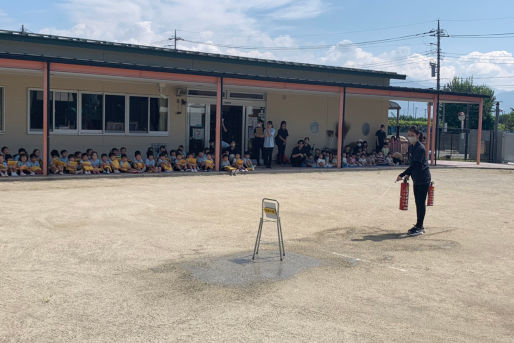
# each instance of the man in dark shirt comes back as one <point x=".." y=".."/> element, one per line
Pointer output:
<point x="299" y="155"/>
<point x="380" y="138"/>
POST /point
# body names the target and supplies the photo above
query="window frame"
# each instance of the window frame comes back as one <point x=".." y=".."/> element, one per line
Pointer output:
<point x="81" y="132"/>
<point x="91" y="132"/>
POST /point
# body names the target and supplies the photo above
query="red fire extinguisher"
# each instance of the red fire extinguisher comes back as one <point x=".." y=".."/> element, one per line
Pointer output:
<point x="404" y="195"/>
<point x="430" y="200"/>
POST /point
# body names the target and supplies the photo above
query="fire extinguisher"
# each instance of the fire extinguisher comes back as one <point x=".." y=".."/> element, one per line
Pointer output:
<point x="404" y="195"/>
<point x="430" y="200"/>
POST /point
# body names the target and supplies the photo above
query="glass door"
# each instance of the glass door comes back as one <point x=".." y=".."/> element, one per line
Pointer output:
<point x="197" y="118"/>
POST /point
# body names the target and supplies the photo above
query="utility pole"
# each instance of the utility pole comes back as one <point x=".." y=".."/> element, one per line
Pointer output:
<point x="495" y="145"/>
<point x="175" y="39"/>
<point x="439" y="33"/>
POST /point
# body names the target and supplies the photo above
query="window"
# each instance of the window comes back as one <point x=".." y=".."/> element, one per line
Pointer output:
<point x="115" y="113"/>
<point x="36" y="110"/>
<point x="158" y="114"/>
<point x="65" y="110"/>
<point x="138" y="117"/>
<point x="92" y="112"/>
<point x="235" y="95"/>
<point x="1" y="109"/>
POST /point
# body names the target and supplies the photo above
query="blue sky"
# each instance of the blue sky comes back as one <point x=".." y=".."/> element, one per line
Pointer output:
<point x="314" y="31"/>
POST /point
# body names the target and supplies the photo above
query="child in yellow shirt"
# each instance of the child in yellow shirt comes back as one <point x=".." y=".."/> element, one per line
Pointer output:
<point x="164" y="163"/>
<point x="72" y="165"/>
<point x="105" y="164"/>
<point x="115" y="163"/>
<point x="191" y="163"/>
<point x="87" y="166"/>
<point x="125" y="165"/>
<point x="138" y="163"/>
<point x="3" y="166"/>
<point x="181" y="163"/>
<point x="209" y="163"/>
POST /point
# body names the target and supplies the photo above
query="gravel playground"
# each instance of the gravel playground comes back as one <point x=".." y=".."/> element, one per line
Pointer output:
<point x="168" y="259"/>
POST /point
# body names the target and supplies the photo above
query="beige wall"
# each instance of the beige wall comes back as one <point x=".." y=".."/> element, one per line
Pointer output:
<point x="300" y="110"/>
<point x="16" y="134"/>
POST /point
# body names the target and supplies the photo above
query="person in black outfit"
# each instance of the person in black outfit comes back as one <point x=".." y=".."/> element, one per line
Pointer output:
<point x="299" y="155"/>
<point x="381" y="136"/>
<point x="420" y="173"/>
<point x="258" y="141"/>
<point x="281" y="141"/>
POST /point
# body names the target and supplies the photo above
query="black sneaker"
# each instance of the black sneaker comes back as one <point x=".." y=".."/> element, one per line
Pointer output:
<point x="416" y="231"/>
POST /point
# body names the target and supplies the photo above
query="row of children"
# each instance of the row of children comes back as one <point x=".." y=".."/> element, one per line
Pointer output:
<point x="367" y="160"/>
<point x="21" y="163"/>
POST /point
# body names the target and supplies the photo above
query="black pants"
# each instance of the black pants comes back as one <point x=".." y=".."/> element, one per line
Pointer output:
<point x="420" y="194"/>
<point x="268" y="153"/>
<point x="281" y="153"/>
<point x="257" y="148"/>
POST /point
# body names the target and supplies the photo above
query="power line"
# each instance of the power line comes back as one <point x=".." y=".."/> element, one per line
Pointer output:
<point x="315" y="47"/>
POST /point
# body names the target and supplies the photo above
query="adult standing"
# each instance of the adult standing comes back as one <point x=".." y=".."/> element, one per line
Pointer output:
<point x="420" y="173"/>
<point x="258" y="141"/>
<point x="269" y="143"/>
<point x="281" y="141"/>
<point x="380" y="138"/>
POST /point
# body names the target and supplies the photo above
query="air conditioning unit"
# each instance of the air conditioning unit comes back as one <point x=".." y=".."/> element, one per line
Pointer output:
<point x="181" y="92"/>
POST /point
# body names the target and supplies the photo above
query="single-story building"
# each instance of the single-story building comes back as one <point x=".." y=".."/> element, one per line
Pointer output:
<point x="70" y="93"/>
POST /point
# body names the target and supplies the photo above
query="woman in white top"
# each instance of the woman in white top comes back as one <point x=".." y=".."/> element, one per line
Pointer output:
<point x="269" y="143"/>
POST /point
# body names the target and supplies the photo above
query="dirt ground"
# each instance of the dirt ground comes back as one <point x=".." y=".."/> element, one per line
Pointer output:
<point x="107" y="260"/>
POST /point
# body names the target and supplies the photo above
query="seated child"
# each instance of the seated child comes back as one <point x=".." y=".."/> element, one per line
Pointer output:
<point x="200" y="160"/>
<point x="105" y="164"/>
<point x="321" y="162"/>
<point x="191" y="163"/>
<point x="164" y="164"/>
<point x="125" y="165"/>
<point x="115" y="163"/>
<point x="225" y="165"/>
<point x="12" y="166"/>
<point x="23" y="165"/>
<point x="87" y="166"/>
<point x="150" y="164"/>
<point x="138" y="163"/>
<point x="56" y="166"/>
<point x="72" y="165"/>
<point x="239" y="163"/>
<point x="3" y="166"/>
<point x="380" y="159"/>
<point x="181" y="163"/>
<point x="248" y="161"/>
<point x="96" y="163"/>
<point x="35" y="167"/>
<point x="173" y="157"/>
<point x="209" y="163"/>
<point x="309" y="162"/>
<point x="345" y="161"/>
<point x="370" y="160"/>
<point x="389" y="159"/>
<point x="362" y="161"/>
<point x="353" y="161"/>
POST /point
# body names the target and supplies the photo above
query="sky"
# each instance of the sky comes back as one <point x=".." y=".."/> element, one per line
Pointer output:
<point x="388" y="35"/>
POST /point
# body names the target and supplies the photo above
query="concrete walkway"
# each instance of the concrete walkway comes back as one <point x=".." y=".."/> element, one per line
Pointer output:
<point x="482" y="165"/>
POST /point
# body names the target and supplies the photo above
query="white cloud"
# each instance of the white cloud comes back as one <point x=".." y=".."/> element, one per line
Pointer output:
<point x="236" y="23"/>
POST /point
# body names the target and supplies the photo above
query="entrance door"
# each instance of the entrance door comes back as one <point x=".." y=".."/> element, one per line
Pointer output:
<point x="198" y="135"/>
<point x="232" y="119"/>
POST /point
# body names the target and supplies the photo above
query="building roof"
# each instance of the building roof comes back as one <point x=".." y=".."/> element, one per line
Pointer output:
<point x="53" y="59"/>
<point x="134" y="48"/>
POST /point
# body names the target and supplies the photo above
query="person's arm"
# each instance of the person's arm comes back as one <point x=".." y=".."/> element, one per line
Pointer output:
<point x="223" y="125"/>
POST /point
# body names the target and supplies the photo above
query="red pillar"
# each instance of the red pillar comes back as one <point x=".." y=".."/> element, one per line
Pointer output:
<point x="46" y="93"/>
<point x="479" y="138"/>
<point x="429" y="107"/>
<point x="340" y="127"/>
<point x="434" y="128"/>
<point x="217" y="150"/>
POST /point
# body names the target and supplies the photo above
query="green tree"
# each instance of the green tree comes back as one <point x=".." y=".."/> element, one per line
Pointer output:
<point x="466" y="86"/>
<point x="506" y="121"/>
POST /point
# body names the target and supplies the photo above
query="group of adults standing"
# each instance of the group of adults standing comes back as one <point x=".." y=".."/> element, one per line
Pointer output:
<point x="265" y="140"/>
